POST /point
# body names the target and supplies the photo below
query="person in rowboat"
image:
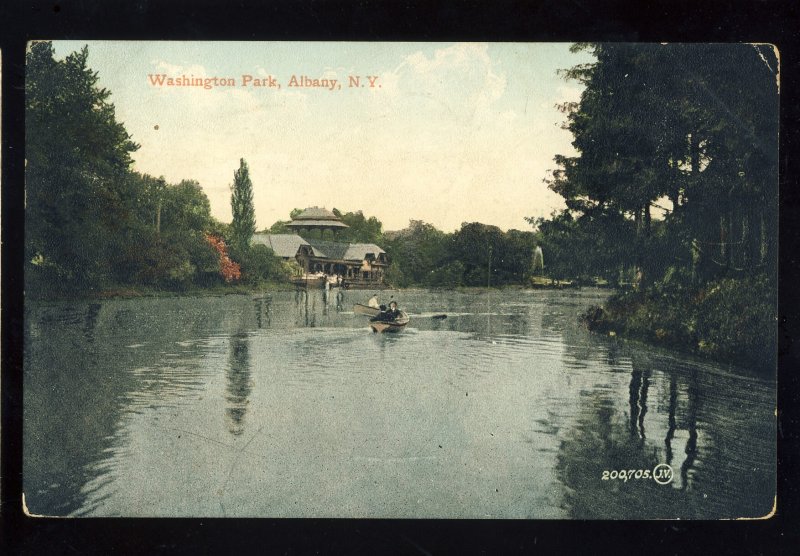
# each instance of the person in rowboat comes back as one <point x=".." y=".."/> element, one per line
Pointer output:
<point x="388" y="315"/>
<point x="373" y="302"/>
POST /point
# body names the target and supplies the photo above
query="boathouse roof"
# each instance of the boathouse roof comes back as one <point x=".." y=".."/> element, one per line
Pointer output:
<point x="359" y="251"/>
<point x="283" y="245"/>
<point x="287" y="246"/>
<point x="344" y="251"/>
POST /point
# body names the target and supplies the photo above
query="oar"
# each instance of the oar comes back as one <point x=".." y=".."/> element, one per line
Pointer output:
<point x="440" y="316"/>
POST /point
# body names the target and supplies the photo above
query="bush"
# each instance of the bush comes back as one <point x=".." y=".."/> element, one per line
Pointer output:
<point x="395" y="276"/>
<point x="738" y="319"/>
<point x="259" y="263"/>
<point x="729" y="319"/>
<point x="449" y="275"/>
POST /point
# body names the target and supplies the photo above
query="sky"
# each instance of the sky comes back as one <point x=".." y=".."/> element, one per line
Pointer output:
<point x="448" y="133"/>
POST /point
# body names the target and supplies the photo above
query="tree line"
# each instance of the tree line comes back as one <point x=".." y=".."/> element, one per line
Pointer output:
<point x="690" y="131"/>
<point x="689" y="128"/>
<point x="421" y="255"/>
<point x="92" y="223"/>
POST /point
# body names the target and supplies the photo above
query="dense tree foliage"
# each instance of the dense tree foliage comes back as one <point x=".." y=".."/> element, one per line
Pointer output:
<point x="474" y="255"/>
<point x="585" y="248"/>
<point x="417" y="253"/>
<point x="361" y="229"/>
<point x="91" y="222"/>
<point x="691" y="129"/>
<point x="230" y="270"/>
<point x="77" y="159"/>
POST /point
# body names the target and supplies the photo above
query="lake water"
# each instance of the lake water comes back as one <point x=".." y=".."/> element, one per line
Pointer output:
<point x="286" y="405"/>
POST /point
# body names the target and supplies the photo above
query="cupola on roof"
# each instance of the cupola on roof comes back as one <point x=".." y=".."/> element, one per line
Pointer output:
<point x="315" y="217"/>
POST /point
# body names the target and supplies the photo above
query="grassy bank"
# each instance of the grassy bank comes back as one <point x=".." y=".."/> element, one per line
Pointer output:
<point x="729" y="320"/>
<point x="129" y="292"/>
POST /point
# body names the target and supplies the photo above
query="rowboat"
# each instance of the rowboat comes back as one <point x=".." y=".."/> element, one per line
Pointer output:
<point x="366" y="310"/>
<point x="390" y="325"/>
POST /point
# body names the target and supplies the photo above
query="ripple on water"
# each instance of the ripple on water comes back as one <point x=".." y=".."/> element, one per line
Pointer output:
<point x="508" y="412"/>
<point x="313" y="357"/>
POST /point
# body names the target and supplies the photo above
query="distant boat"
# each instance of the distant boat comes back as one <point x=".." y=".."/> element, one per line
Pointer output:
<point x="318" y="280"/>
<point x="315" y="280"/>
<point x="390" y="325"/>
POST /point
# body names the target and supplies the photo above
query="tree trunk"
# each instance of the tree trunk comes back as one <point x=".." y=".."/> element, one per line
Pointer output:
<point x="642" y="219"/>
<point x="738" y="227"/>
<point x="725" y="236"/>
<point x="764" y="243"/>
<point x="753" y="243"/>
<point x="694" y="153"/>
<point x="703" y="251"/>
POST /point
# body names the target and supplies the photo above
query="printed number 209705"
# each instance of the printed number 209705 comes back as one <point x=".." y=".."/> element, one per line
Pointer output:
<point x="626" y="474"/>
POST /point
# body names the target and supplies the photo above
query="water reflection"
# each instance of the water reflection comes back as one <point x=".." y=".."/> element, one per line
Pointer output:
<point x="640" y="383"/>
<point x="239" y="382"/>
<point x="691" y="443"/>
<point x="262" y="309"/>
<point x="92" y="313"/>
<point x="306" y="306"/>
<point x="692" y="399"/>
<point x="88" y="368"/>
<point x="72" y="412"/>
<point x="673" y="405"/>
<point x="707" y="483"/>
<point x="509" y="390"/>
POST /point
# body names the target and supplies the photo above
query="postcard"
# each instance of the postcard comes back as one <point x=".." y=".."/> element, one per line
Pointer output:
<point x="400" y="280"/>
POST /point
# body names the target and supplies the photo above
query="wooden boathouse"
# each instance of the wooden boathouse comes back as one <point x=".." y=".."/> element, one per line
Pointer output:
<point x="354" y="264"/>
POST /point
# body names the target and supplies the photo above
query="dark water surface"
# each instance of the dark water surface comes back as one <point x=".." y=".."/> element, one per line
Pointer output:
<point x="283" y="405"/>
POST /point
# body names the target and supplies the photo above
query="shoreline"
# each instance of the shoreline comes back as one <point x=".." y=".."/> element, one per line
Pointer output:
<point x="133" y="292"/>
<point x="674" y="326"/>
<point x="729" y="363"/>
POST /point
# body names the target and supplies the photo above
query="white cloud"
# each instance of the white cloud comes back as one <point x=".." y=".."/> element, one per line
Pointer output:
<point x="174" y="70"/>
<point x="458" y="55"/>
<point x="459" y="83"/>
<point x="448" y="137"/>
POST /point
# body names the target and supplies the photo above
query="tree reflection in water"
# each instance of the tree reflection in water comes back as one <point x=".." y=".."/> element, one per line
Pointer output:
<point x="640" y="383"/>
<point x="604" y="439"/>
<point x="712" y="481"/>
<point x="691" y="444"/>
<point x="90" y="368"/>
<point x="673" y="404"/>
<point x="262" y="308"/>
<point x="92" y="313"/>
<point x="306" y="304"/>
<point x="240" y="383"/>
<point x="114" y="391"/>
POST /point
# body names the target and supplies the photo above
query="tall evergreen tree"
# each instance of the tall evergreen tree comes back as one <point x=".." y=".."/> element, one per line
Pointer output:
<point x="243" y="225"/>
